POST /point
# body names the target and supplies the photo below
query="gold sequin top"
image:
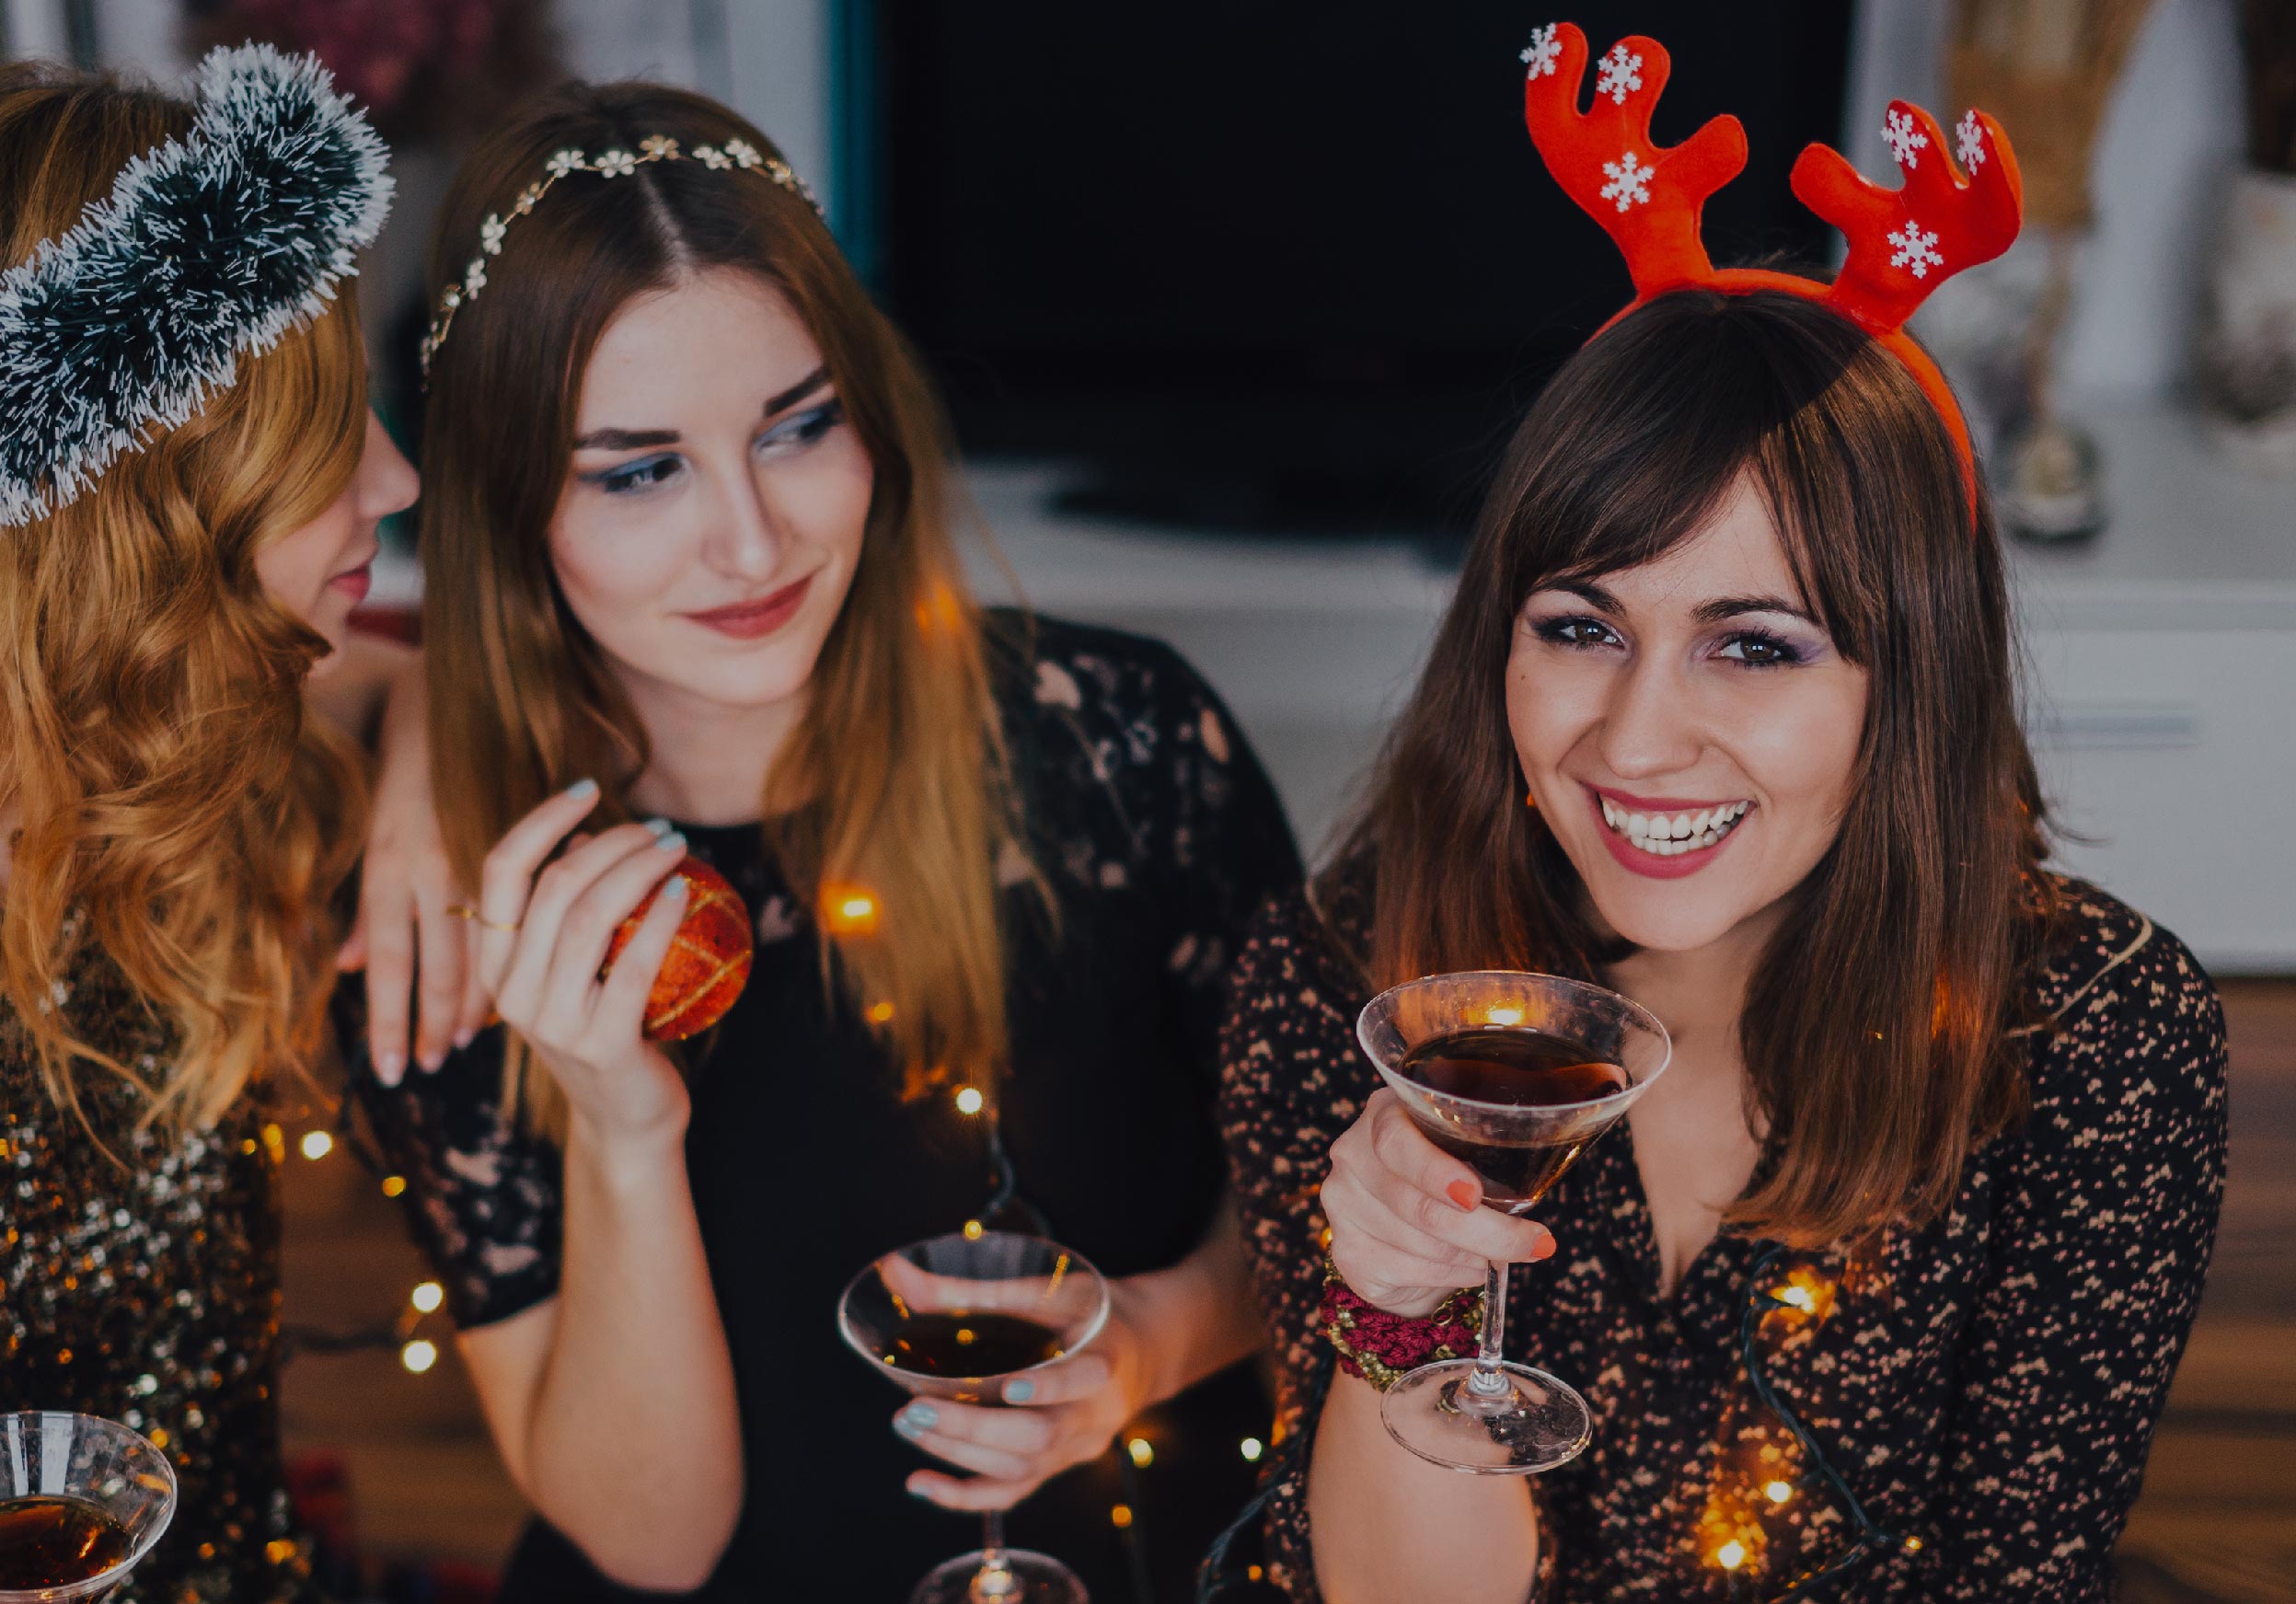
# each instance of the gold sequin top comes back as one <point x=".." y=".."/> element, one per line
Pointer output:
<point x="141" y="1283"/>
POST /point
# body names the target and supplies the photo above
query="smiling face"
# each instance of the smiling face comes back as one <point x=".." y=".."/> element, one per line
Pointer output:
<point x="322" y="571"/>
<point x="715" y="502"/>
<point x="1689" y="730"/>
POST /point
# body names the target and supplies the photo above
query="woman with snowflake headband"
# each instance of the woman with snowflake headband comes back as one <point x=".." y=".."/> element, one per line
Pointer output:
<point x="190" y="485"/>
<point x="1877" y="1292"/>
<point x="689" y="537"/>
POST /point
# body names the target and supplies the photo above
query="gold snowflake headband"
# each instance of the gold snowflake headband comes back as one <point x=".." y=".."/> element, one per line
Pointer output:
<point x="737" y="154"/>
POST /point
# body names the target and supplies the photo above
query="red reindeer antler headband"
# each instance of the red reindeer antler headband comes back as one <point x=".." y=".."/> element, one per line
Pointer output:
<point x="1903" y="242"/>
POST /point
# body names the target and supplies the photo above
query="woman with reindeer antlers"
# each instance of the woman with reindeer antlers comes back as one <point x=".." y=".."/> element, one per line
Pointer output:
<point x="1878" y="1291"/>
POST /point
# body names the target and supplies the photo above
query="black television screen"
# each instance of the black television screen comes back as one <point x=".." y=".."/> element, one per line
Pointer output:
<point x="1275" y="266"/>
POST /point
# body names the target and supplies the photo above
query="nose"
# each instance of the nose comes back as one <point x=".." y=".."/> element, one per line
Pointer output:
<point x="746" y="540"/>
<point x="386" y="481"/>
<point x="1650" y="727"/>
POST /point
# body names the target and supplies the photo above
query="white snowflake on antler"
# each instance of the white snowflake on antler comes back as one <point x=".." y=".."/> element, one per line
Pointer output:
<point x="1544" y="51"/>
<point x="1630" y="180"/>
<point x="1970" y="141"/>
<point x="1621" y="71"/>
<point x="1917" y="250"/>
<point x="1904" y="139"/>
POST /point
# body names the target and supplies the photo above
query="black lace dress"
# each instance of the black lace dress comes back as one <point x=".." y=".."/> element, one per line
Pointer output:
<point x="139" y="1280"/>
<point x="1160" y="836"/>
<point x="1987" y="1384"/>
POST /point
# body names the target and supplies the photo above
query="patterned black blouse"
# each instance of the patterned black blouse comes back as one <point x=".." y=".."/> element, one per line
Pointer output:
<point x="1160" y="836"/>
<point x="141" y="1283"/>
<point x="1987" y="1384"/>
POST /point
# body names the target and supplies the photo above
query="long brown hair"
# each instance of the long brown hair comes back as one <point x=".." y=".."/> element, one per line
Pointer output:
<point x="892" y="786"/>
<point x="1873" y="1031"/>
<point x="176" y="809"/>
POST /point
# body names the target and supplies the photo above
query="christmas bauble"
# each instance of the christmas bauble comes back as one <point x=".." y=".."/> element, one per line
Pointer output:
<point x="709" y="959"/>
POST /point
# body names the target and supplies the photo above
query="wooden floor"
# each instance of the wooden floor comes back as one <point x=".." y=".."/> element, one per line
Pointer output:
<point x="2217" y="1521"/>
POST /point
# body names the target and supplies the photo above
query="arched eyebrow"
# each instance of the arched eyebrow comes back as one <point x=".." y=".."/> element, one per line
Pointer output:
<point x="1719" y="610"/>
<point x="1726" y="607"/>
<point x="642" y="439"/>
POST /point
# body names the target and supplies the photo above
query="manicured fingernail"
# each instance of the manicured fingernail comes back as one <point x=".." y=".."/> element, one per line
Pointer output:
<point x="464" y="1037"/>
<point x="390" y="1065"/>
<point x="583" y="788"/>
<point x="677" y="888"/>
<point x="433" y="1061"/>
<point x="917" y="1420"/>
<point x="660" y="828"/>
<point x="1545" y="1250"/>
<point x="673" y="842"/>
<point x="914" y="1490"/>
<point x="1464" y="1192"/>
<point x="1019" y="1391"/>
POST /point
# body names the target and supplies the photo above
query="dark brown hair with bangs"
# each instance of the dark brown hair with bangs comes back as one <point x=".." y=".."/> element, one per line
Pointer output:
<point x="1875" y="1032"/>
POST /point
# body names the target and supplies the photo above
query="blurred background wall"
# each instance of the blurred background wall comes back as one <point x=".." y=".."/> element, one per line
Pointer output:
<point x="1235" y="304"/>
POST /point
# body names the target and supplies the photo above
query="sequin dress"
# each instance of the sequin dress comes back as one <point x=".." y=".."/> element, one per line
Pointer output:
<point x="1158" y="835"/>
<point x="141" y="1285"/>
<point x="1987" y="1384"/>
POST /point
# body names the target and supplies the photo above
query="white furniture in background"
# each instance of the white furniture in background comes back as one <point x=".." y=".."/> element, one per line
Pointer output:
<point x="2162" y="690"/>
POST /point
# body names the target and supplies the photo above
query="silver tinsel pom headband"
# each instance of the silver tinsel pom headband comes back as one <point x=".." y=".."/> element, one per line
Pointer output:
<point x="207" y="249"/>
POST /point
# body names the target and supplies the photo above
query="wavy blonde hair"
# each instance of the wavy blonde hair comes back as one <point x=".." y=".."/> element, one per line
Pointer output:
<point x="895" y="781"/>
<point x="176" y="811"/>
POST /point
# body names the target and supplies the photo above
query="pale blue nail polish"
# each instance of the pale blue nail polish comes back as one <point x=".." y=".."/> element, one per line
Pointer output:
<point x="677" y="887"/>
<point x="583" y="788"/>
<point x="917" y="1420"/>
<point x="673" y="842"/>
<point x="660" y="826"/>
<point x="1019" y="1391"/>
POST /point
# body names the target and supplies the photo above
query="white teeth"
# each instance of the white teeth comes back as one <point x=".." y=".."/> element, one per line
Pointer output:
<point x="1669" y="836"/>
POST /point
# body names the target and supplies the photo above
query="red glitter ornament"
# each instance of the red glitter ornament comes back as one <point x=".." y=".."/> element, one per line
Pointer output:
<point x="708" y="958"/>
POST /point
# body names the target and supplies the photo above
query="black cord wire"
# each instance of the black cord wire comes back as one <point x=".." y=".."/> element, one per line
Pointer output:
<point x="1873" y="1541"/>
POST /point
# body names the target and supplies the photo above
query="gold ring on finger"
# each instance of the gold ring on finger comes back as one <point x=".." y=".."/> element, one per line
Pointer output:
<point x="463" y="911"/>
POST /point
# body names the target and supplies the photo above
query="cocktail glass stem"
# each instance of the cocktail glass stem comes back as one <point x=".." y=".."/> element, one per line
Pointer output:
<point x="1489" y="1381"/>
<point x="996" y="1580"/>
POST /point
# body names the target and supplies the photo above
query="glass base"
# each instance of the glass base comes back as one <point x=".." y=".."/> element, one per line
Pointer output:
<point x="1530" y="1423"/>
<point x="1027" y="1577"/>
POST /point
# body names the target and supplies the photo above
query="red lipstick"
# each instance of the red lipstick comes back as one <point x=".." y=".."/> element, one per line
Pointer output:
<point x="1652" y="865"/>
<point x="759" y="616"/>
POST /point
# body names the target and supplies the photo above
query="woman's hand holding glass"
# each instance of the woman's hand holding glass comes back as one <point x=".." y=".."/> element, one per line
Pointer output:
<point x="1408" y="1225"/>
<point x="1062" y="1415"/>
<point x="543" y="934"/>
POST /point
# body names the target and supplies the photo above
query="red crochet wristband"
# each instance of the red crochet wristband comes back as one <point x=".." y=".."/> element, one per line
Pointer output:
<point x="1381" y="1347"/>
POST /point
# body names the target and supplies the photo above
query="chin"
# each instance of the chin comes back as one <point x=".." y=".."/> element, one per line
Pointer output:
<point x="1665" y="916"/>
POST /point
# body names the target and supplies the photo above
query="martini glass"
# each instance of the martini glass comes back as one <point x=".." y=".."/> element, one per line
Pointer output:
<point x="1517" y="1074"/>
<point x="957" y="1317"/>
<point x="81" y="1501"/>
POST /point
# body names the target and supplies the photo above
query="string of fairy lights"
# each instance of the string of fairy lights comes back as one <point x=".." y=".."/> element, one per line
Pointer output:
<point x="847" y="912"/>
<point x="1734" y="1543"/>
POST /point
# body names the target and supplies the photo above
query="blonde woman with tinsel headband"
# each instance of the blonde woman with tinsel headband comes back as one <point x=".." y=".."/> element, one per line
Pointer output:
<point x="190" y="486"/>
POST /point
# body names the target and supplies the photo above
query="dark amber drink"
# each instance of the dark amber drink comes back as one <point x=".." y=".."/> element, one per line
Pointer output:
<point x="1516" y="1069"/>
<point x="53" y="1542"/>
<point x="968" y="1344"/>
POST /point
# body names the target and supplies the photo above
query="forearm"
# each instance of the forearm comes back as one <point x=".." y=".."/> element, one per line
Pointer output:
<point x="1197" y="1316"/>
<point x="633" y="1448"/>
<point x="1390" y="1528"/>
